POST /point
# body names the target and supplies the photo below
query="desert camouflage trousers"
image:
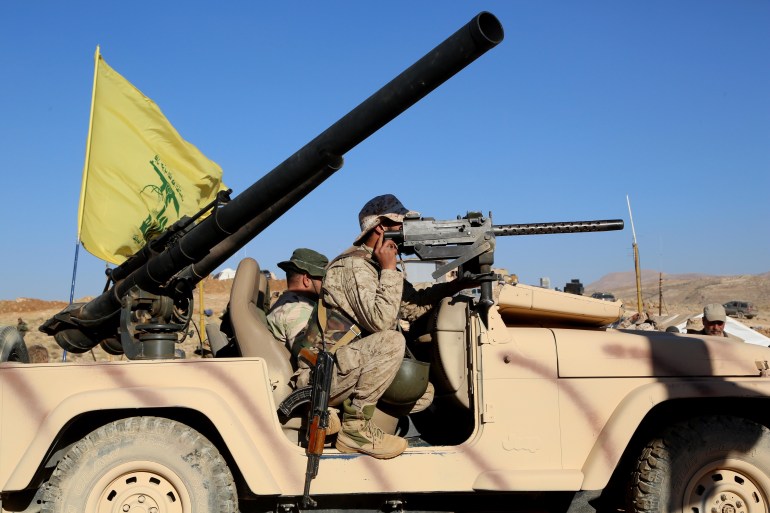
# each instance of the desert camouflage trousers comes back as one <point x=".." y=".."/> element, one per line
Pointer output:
<point x="363" y="369"/>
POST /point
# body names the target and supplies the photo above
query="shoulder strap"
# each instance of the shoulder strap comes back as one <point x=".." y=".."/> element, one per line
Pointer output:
<point x="355" y="252"/>
<point x="353" y="331"/>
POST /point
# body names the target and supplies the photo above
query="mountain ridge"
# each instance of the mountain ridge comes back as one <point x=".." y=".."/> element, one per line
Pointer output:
<point x="687" y="288"/>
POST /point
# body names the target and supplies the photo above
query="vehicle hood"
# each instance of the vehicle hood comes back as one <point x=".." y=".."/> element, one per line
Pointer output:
<point x="619" y="353"/>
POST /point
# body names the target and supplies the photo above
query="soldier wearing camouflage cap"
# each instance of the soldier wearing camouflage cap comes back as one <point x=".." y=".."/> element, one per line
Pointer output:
<point x="364" y="286"/>
<point x="386" y="208"/>
<point x="290" y="313"/>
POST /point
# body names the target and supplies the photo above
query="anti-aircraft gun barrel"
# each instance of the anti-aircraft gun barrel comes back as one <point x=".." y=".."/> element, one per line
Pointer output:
<point x="557" y="227"/>
<point x="237" y="240"/>
<point x="478" y="36"/>
<point x="175" y="270"/>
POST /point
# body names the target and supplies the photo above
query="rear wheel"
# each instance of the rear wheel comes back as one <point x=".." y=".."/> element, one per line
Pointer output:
<point x="146" y="464"/>
<point x="706" y="465"/>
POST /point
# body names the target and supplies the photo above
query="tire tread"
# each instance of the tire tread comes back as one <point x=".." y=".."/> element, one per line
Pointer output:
<point x="197" y="451"/>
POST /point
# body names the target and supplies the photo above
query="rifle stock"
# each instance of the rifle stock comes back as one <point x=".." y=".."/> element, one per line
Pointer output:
<point x="315" y="447"/>
<point x="321" y="364"/>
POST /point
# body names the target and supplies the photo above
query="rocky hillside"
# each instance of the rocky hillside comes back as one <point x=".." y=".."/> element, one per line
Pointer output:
<point x="687" y="289"/>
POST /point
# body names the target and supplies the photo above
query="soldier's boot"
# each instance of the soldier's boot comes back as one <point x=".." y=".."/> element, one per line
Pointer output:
<point x="334" y="422"/>
<point x="360" y="434"/>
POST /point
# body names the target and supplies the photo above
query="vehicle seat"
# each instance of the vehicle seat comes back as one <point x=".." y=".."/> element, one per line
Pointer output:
<point x="449" y="371"/>
<point x="249" y="323"/>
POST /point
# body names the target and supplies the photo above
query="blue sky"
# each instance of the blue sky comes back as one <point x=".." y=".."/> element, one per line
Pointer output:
<point x="581" y="104"/>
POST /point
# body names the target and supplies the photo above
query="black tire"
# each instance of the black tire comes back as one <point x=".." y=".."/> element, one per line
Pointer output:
<point x="706" y="465"/>
<point x="143" y="464"/>
<point x="12" y="346"/>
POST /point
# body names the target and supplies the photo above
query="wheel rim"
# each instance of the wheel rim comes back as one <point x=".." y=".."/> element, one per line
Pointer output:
<point x="727" y="486"/>
<point x="127" y="489"/>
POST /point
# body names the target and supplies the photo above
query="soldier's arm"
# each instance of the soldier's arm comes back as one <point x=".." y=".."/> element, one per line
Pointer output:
<point x="417" y="302"/>
<point x="373" y="299"/>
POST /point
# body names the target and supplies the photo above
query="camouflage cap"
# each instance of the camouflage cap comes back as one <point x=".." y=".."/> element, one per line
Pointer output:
<point x="306" y="261"/>
<point x="714" y="313"/>
<point x="387" y="206"/>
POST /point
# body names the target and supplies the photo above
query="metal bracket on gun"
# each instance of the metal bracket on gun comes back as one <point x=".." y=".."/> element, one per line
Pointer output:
<point x="476" y="249"/>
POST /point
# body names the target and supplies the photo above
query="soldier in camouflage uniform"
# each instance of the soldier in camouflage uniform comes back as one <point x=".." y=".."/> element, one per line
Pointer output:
<point x="364" y="285"/>
<point x="290" y="313"/>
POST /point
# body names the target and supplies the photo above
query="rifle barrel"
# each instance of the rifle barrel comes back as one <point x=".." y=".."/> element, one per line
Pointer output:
<point x="558" y="227"/>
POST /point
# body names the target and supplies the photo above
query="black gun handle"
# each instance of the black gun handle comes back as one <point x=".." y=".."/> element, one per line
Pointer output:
<point x="485" y="298"/>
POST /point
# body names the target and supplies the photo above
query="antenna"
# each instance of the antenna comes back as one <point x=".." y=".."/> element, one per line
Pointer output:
<point x="637" y="267"/>
<point x="631" y="217"/>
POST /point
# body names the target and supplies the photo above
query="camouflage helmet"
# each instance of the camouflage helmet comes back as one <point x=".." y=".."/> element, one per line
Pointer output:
<point x="410" y="383"/>
<point x="387" y="206"/>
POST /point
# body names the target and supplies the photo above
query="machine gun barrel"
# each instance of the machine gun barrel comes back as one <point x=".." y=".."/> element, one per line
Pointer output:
<point x="231" y="226"/>
<point x="551" y="228"/>
<point x="469" y="242"/>
<point x="467" y="238"/>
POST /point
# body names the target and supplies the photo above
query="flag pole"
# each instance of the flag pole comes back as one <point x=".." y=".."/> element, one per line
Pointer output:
<point x="83" y="185"/>
<point x="202" y="332"/>
<point x="637" y="267"/>
<point x="97" y="58"/>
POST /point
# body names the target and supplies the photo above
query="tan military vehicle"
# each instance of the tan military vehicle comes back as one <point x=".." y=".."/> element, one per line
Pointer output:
<point x="539" y="404"/>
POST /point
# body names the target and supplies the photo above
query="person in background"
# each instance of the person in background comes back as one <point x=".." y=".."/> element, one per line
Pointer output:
<point x="714" y="318"/>
<point x="22" y="328"/>
<point x="38" y="354"/>
<point x="291" y="311"/>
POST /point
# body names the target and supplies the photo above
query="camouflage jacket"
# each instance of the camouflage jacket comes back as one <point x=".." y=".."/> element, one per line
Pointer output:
<point x="375" y="298"/>
<point x="289" y="316"/>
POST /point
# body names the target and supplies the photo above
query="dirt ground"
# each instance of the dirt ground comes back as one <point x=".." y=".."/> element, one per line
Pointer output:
<point x="215" y="297"/>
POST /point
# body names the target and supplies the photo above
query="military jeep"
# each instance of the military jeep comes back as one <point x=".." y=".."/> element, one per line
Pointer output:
<point x="538" y="405"/>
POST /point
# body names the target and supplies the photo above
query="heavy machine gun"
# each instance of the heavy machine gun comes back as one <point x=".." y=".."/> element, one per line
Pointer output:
<point x="468" y="243"/>
<point x="148" y="305"/>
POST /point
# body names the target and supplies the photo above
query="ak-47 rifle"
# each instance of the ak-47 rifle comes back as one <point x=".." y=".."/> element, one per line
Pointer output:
<point x="469" y="243"/>
<point x="321" y="365"/>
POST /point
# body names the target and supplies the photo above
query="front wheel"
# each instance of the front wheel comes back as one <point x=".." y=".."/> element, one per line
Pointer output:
<point x="146" y="464"/>
<point x="705" y="465"/>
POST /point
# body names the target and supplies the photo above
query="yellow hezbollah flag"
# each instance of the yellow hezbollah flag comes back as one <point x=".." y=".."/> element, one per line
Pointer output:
<point x="140" y="176"/>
